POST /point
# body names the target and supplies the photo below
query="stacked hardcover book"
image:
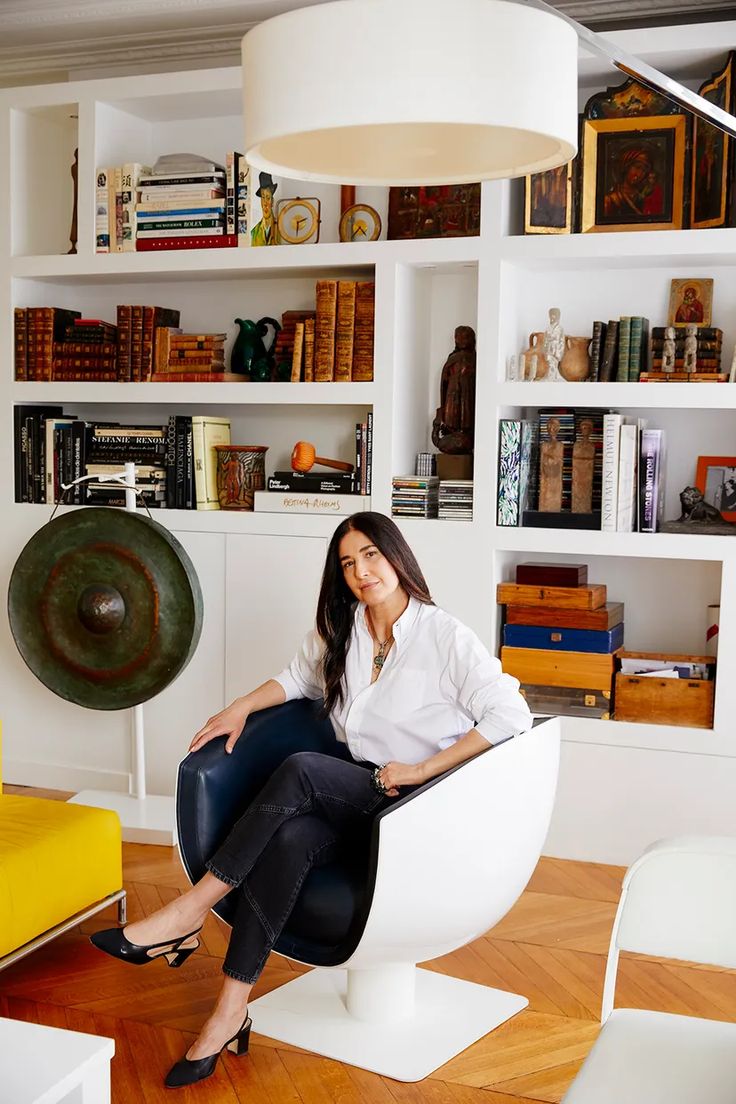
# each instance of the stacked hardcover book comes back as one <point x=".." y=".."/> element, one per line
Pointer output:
<point x="109" y="447"/>
<point x="455" y="500"/>
<point x="89" y="351"/>
<point x="37" y="330"/>
<point x="190" y="358"/>
<point x="182" y="204"/>
<point x="560" y="639"/>
<point x="707" y="361"/>
<point x="415" y="496"/>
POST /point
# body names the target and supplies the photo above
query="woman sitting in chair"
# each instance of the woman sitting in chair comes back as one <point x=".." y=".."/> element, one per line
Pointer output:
<point x="410" y="691"/>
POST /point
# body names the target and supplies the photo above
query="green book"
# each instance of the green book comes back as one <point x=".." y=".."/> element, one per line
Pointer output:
<point x="624" y="344"/>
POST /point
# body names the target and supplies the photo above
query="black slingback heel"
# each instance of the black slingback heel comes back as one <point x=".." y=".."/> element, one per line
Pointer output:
<point x="187" y="1072"/>
<point x="113" y="942"/>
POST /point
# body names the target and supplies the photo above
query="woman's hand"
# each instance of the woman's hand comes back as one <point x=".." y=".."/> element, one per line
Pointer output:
<point x="394" y="775"/>
<point x="228" y="723"/>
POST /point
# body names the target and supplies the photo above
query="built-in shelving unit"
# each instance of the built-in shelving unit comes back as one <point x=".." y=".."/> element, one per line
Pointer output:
<point x="260" y="573"/>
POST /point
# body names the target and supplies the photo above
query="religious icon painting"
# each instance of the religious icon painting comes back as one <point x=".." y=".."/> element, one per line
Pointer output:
<point x="438" y="211"/>
<point x="691" y="303"/>
<point x="548" y="198"/>
<point x="633" y="173"/>
<point x="712" y="170"/>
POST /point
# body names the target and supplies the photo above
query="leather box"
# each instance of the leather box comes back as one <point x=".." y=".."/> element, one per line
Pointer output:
<point x="549" y="574"/>
<point x="564" y="640"/>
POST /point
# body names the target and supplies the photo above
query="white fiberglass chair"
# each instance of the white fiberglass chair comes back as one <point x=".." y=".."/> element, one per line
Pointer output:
<point x="678" y="901"/>
<point x="447" y="862"/>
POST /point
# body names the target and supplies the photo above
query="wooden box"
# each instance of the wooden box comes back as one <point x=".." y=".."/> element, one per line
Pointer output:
<point x="552" y="574"/>
<point x="575" y="669"/>
<point x="601" y="620"/>
<point x="588" y="597"/>
<point x="564" y="640"/>
<point x="651" y="700"/>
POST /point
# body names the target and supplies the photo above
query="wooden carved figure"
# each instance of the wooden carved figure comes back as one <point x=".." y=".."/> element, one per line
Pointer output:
<point x="550" y="470"/>
<point x="454" y="421"/>
<point x="583" y="457"/>
<point x="691" y="348"/>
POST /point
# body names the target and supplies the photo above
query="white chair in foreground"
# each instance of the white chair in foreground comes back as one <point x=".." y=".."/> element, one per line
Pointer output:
<point x="678" y="901"/>
<point x="447" y="862"/>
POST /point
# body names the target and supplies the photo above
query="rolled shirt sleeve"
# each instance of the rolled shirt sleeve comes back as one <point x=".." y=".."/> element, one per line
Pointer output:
<point x="490" y="697"/>
<point x="302" y="678"/>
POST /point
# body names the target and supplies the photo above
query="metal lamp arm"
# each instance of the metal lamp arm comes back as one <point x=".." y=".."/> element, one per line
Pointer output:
<point x="641" y="71"/>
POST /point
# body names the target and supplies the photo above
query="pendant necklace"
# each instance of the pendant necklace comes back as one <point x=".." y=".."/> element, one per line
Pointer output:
<point x="380" y="659"/>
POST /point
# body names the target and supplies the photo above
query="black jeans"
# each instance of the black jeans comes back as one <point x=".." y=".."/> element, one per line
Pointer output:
<point x="303" y="815"/>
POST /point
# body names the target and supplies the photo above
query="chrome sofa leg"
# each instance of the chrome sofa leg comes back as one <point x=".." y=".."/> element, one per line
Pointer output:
<point x="123" y="909"/>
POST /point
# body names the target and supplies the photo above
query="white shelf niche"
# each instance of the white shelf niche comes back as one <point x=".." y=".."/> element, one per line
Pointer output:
<point x="665" y="610"/>
<point x="689" y="433"/>
<point x="42" y="141"/>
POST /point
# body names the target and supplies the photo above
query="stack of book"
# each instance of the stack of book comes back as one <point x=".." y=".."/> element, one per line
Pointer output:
<point x="36" y="331"/>
<point x="456" y="499"/>
<point x="619" y="349"/>
<point x="364" y="455"/>
<point x="294" y="349"/>
<point x="633" y="475"/>
<point x="190" y="358"/>
<point x="560" y="639"/>
<point x="182" y="205"/>
<point x="110" y="447"/>
<point x="89" y="351"/>
<point x="415" y="496"/>
<point x="707" y="362"/>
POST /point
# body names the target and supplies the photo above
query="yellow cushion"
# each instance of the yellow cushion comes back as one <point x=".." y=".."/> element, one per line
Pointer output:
<point x="55" y="859"/>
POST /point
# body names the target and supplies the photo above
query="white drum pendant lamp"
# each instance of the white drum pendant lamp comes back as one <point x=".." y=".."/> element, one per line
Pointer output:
<point x="410" y="92"/>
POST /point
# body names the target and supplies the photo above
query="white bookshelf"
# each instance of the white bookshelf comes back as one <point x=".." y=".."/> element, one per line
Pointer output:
<point x="260" y="572"/>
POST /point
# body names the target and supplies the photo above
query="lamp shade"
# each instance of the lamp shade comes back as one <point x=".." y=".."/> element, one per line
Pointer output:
<point x="410" y="92"/>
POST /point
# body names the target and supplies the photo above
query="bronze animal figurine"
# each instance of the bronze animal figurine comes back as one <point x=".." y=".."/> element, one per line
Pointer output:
<point x="695" y="508"/>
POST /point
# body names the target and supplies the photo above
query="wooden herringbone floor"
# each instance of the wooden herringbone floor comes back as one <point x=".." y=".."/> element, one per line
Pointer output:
<point x="551" y="947"/>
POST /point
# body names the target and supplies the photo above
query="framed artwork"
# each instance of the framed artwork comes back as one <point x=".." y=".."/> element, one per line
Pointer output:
<point x="713" y="155"/>
<point x="444" y="211"/>
<point x="691" y="303"/>
<point x="633" y="173"/>
<point x="716" y="479"/>
<point x="548" y="201"/>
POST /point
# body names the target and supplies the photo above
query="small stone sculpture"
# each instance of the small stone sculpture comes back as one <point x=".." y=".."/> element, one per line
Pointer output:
<point x="691" y="348"/>
<point x="454" y="421"/>
<point x="554" y="343"/>
<point x="698" y="516"/>
<point x="668" y="350"/>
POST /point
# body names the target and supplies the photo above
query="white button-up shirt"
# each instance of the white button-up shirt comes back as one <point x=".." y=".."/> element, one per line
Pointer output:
<point x="438" y="681"/>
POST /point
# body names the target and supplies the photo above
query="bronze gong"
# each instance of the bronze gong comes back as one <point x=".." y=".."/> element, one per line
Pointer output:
<point x="105" y="607"/>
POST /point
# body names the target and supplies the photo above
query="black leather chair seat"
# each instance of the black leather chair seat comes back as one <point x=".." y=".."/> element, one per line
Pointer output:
<point x="214" y="790"/>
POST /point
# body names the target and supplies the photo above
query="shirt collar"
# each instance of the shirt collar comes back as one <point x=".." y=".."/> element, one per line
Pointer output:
<point x="402" y="626"/>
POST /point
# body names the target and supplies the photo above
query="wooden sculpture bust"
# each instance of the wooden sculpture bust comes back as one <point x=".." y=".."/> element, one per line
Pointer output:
<point x="454" y="420"/>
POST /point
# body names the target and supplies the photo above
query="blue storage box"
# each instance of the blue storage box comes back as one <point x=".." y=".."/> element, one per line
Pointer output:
<point x="564" y="640"/>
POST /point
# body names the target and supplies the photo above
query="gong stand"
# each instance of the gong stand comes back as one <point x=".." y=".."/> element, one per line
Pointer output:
<point x="144" y="818"/>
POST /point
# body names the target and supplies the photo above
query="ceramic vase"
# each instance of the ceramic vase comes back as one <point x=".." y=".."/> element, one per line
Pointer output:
<point x="575" y="363"/>
<point x="536" y="344"/>
<point x="241" y="470"/>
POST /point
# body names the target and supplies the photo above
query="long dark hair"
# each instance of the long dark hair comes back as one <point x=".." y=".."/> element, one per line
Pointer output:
<point x="337" y="602"/>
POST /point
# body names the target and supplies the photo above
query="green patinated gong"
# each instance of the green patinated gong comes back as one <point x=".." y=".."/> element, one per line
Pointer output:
<point x="105" y="607"/>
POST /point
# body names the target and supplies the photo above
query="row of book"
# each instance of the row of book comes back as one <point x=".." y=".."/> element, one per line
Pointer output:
<point x="52" y="449"/>
<point x="53" y="343"/>
<point x="628" y="475"/>
<point x="560" y="639"/>
<point x="621" y="352"/>
<point x="332" y="342"/>
<point x="427" y="496"/>
<point x="183" y="202"/>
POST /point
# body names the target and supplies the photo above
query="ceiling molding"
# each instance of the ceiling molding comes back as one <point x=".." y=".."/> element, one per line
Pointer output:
<point x="142" y="50"/>
<point x="31" y="13"/>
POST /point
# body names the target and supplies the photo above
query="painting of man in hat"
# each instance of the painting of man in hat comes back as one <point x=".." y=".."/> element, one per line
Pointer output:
<point x="266" y="231"/>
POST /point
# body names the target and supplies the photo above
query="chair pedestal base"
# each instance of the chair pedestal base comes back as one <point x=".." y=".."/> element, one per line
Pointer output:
<point x="449" y="1014"/>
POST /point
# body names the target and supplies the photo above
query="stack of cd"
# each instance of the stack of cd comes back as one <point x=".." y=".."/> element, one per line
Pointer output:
<point x="426" y="463"/>
<point x="456" y="499"/>
<point x="414" y="496"/>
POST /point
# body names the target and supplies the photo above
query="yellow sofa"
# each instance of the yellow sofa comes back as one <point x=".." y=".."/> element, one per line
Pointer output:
<point x="59" y="863"/>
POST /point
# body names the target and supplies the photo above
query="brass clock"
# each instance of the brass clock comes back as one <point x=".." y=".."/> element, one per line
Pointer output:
<point x="360" y="223"/>
<point x="299" y="220"/>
